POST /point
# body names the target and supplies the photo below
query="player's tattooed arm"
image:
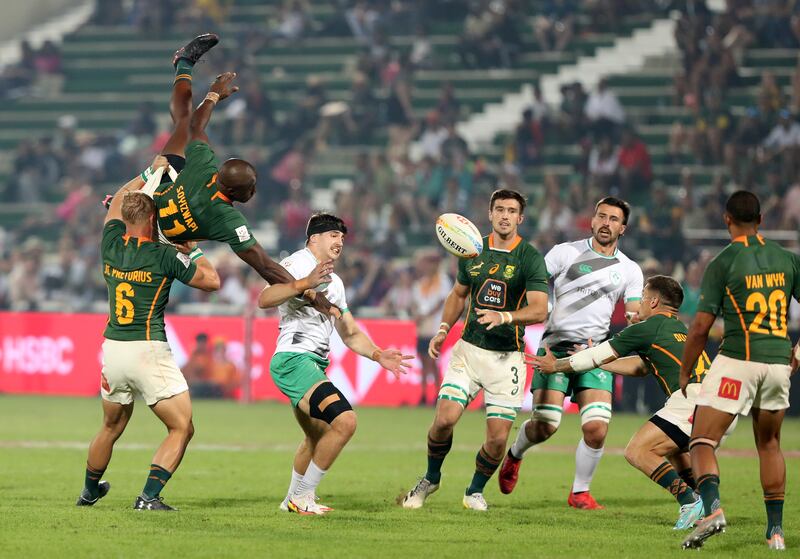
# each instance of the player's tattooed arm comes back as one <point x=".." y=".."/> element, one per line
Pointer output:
<point x="275" y="295"/>
<point x="453" y="309"/>
<point x="580" y="361"/>
<point x="115" y="207"/>
<point x="534" y="313"/>
<point x="219" y="90"/>
<point x="695" y="345"/>
<point x="353" y="337"/>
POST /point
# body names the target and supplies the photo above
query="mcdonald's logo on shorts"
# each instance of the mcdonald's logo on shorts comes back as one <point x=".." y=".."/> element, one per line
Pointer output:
<point x="729" y="388"/>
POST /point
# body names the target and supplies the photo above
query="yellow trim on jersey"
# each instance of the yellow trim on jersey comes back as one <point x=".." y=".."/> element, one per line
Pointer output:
<point x="153" y="306"/>
<point x="516" y="326"/>
<point x="741" y="320"/>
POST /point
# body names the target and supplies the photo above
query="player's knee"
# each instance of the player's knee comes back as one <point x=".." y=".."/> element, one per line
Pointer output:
<point x="545" y="420"/>
<point x="327" y="403"/>
<point x="768" y="444"/>
<point x="190" y="431"/>
<point x="495" y="446"/>
<point x="345" y="424"/>
<point x="633" y="453"/>
<point x="445" y="419"/>
<point x="594" y="433"/>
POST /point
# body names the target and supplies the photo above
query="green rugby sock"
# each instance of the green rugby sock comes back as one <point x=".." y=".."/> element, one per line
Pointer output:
<point x="774" y="504"/>
<point x="687" y="476"/>
<point x="437" y="451"/>
<point x="708" y="486"/>
<point x="156" y="481"/>
<point x="183" y="70"/>
<point x="485" y="466"/>
<point x="666" y="476"/>
<point x="91" y="480"/>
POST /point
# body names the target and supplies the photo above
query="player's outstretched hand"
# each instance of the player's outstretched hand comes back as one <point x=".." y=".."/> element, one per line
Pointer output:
<point x="321" y="303"/>
<point x="185" y="247"/>
<point x="223" y="85"/>
<point x="543" y="363"/>
<point x="320" y="274"/>
<point x="395" y="362"/>
<point x="435" y="347"/>
<point x="489" y="318"/>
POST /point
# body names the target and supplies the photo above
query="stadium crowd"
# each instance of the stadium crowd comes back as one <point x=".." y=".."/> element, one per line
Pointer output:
<point x="425" y="167"/>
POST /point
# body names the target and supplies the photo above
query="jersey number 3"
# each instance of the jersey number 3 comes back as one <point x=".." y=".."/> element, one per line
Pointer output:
<point x="776" y="306"/>
<point x="124" y="306"/>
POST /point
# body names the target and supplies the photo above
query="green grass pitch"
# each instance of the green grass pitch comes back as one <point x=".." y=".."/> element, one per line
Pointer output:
<point x="238" y="465"/>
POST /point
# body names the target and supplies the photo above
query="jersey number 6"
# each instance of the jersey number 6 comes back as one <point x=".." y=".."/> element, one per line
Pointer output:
<point x="124" y="306"/>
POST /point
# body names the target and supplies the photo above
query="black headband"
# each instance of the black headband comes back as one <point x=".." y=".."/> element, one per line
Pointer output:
<point x="324" y="227"/>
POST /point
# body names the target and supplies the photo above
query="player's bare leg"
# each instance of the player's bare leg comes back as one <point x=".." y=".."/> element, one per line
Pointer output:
<point x="767" y="433"/>
<point x="326" y="449"/>
<point x="648" y="451"/>
<point x="487" y="461"/>
<point x="115" y="419"/>
<point x="707" y="431"/>
<point x="548" y="407"/>
<point x="440" y="440"/>
<point x="176" y="414"/>
<point x="313" y="429"/>
<point x="180" y="102"/>
<point x="595" y="410"/>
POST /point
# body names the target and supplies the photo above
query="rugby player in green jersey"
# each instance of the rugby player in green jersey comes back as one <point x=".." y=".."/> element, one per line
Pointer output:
<point x="750" y="283"/>
<point x="198" y="205"/>
<point x="657" y="342"/>
<point x="136" y="356"/>
<point x="504" y="289"/>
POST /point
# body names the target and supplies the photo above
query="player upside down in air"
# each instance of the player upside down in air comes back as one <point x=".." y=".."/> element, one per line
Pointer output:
<point x="504" y="289"/>
<point x="137" y="359"/>
<point x="750" y="283"/>
<point x="656" y="342"/>
<point x="301" y="358"/>
<point x="198" y="205"/>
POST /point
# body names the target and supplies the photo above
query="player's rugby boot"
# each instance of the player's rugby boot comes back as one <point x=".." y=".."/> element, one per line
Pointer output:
<point x="509" y="473"/>
<point x="284" y="506"/>
<point x="776" y="541"/>
<point x="151" y="504"/>
<point x="102" y="490"/>
<point x="306" y="505"/>
<point x="690" y="514"/>
<point x="475" y="502"/>
<point x="583" y="500"/>
<point x="196" y="48"/>
<point x="415" y="498"/>
<point x="709" y="526"/>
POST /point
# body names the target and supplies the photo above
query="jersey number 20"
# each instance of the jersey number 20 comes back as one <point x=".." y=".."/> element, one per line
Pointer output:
<point x="776" y="306"/>
<point x="124" y="306"/>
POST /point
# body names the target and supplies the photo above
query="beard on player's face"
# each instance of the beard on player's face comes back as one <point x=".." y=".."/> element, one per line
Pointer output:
<point x="605" y="235"/>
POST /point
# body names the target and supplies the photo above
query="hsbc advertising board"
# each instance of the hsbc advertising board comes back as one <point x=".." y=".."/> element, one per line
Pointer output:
<point x="59" y="354"/>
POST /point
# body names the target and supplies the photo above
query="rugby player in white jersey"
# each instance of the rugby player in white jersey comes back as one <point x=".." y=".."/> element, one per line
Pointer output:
<point x="589" y="277"/>
<point x="300" y="359"/>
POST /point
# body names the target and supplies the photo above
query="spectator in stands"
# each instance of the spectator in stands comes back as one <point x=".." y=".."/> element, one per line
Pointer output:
<point x="429" y="292"/>
<point x="782" y="145"/>
<point x="432" y="137"/>
<point x="555" y="25"/>
<point x="25" y="279"/>
<point x="572" y="114"/>
<point x="454" y="146"/>
<point x="555" y="216"/>
<point x="603" y="164"/>
<point x="223" y="373"/>
<point x="528" y="140"/>
<point x="448" y="106"/>
<point x="770" y="96"/>
<point x="399" y="300"/>
<point x="664" y="229"/>
<point x="292" y="20"/>
<point x="250" y="116"/>
<point x="293" y="217"/>
<point x="635" y="170"/>
<point x="399" y="109"/>
<point x="362" y="19"/>
<point x="430" y="186"/>
<point x="421" y="49"/>
<point x="740" y="152"/>
<point x="454" y="199"/>
<point x="604" y="111"/>
<point x="16" y="79"/>
<point x="691" y="291"/>
<point x="791" y="208"/>
<point x="713" y="129"/>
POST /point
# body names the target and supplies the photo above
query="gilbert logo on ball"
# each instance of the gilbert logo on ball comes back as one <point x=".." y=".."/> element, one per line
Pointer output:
<point x="459" y="236"/>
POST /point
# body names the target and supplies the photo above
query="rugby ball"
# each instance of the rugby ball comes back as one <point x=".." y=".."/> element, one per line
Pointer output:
<point x="459" y="236"/>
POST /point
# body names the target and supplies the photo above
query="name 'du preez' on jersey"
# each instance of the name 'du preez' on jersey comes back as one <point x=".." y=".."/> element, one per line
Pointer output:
<point x="493" y="294"/>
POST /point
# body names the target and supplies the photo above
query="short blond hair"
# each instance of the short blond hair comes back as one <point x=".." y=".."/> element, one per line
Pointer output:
<point x="137" y="208"/>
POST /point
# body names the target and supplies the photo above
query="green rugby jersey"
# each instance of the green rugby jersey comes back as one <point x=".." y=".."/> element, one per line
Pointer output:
<point x="498" y="280"/>
<point x="751" y="283"/>
<point x="659" y="341"/>
<point x="139" y="274"/>
<point x="193" y="209"/>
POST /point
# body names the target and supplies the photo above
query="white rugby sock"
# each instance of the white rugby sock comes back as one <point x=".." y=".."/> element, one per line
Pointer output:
<point x="296" y="479"/>
<point x="586" y="461"/>
<point x="521" y="443"/>
<point x="310" y="480"/>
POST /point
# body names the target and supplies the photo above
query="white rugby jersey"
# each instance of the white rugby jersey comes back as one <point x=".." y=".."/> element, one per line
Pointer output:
<point x="585" y="289"/>
<point x="304" y="329"/>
